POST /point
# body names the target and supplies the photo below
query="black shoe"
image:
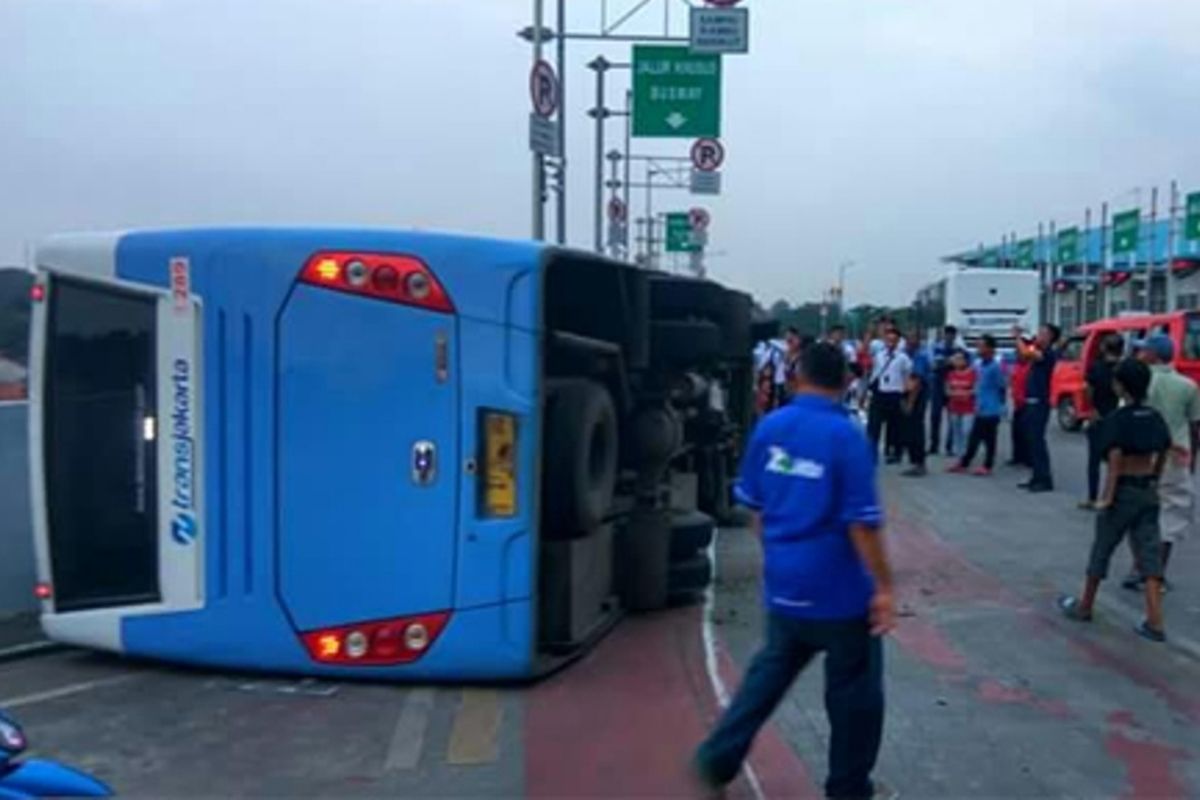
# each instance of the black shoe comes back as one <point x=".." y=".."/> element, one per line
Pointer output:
<point x="1040" y="488"/>
<point x="915" y="472"/>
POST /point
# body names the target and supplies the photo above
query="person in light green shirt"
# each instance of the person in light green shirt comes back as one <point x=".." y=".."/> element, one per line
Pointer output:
<point x="1177" y="398"/>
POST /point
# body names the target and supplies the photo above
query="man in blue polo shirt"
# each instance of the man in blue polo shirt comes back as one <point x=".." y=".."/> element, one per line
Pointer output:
<point x="809" y="477"/>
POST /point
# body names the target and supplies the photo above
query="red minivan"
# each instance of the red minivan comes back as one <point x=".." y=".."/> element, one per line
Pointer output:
<point x="1068" y="388"/>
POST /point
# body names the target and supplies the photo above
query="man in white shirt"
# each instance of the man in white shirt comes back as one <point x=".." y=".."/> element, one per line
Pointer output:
<point x="889" y="384"/>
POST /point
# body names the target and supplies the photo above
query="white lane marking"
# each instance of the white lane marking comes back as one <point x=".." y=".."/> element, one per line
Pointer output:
<point x="64" y="691"/>
<point x="720" y="691"/>
<point x="409" y="737"/>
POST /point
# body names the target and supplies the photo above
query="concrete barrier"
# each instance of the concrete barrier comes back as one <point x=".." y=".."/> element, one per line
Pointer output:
<point x="16" y="531"/>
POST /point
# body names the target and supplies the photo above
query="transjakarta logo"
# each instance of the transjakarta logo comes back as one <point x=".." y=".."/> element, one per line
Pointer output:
<point x="781" y="463"/>
<point x="183" y="456"/>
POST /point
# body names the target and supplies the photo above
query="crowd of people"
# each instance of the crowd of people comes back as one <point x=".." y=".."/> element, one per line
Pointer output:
<point x="809" y="478"/>
<point x="1142" y="429"/>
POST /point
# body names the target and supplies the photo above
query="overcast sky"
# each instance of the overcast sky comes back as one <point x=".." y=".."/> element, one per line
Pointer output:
<point x="888" y="132"/>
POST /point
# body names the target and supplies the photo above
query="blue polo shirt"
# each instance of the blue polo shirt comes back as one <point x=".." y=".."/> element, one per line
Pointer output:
<point x="922" y="368"/>
<point x="989" y="388"/>
<point x="809" y="471"/>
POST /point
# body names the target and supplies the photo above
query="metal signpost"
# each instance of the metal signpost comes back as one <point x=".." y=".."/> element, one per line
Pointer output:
<point x="676" y="93"/>
<point x="720" y="30"/>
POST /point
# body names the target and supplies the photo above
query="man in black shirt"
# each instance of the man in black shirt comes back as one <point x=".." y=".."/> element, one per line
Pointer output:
<point x="1135" y="441"/>
<point x="1104" y="401"/>
<point x="1042" y="356"/>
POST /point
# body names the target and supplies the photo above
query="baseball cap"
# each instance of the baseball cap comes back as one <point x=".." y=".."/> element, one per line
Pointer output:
<point x="1160" y="344"/>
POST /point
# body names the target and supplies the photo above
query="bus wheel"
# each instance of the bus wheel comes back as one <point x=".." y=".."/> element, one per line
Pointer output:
<point x="580" y="457"/>
<point x="691" y="533"/>
<point x="1068" y="415"/>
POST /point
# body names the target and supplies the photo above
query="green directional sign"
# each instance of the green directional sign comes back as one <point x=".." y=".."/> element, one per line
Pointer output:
<point x="991" y="257"/>
<point x="679" y="234"/>
<point x="1191" y="223"/>
<point x="676" y="93"/>
<point x="1068" y="246"/>
<point x="1025" y="253"/>
<point x="1125" y="231"/>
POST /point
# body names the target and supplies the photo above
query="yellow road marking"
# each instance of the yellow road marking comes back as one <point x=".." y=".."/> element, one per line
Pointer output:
<point x="475" y="737"/>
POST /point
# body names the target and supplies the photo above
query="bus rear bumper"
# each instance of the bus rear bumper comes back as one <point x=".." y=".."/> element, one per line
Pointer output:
<point x="488" y="643"/>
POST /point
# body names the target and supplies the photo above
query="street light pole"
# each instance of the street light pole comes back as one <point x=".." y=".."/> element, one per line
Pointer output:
<point x="539" y="172"/>
<point x="562" y="123"/>
<point x="600" y="66"/>
<point x="628" y="159"/>
<point x="845" y="265"/>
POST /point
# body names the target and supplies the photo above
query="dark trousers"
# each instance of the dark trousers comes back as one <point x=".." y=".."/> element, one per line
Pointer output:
<point x="914" y="431"/>
<point x="1037" y="418"/>
<point x="885" y="411"/>
<point x="1094" y="458"/>
<point x="1020" y="447"/>
<point x="853" y="700"/>
<point x="984" y="431"/>
<point x="937" y="413"/>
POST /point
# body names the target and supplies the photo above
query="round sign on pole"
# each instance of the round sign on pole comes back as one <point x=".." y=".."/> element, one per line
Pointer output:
<point x="543" y="89"/>
<point x="700" y="219"/>
<point x="617" y="212"/>
<point x="708" y="155"/>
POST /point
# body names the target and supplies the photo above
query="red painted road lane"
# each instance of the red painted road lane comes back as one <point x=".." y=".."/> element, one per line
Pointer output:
<point x="624" y="721"/>
<point x="933" y="573"/>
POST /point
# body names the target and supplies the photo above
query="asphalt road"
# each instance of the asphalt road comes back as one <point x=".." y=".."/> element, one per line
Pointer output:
<point x="991" y="694"/>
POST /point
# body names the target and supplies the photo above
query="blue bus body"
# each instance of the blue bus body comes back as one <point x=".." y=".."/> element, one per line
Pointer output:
<point x="285" y="421"/>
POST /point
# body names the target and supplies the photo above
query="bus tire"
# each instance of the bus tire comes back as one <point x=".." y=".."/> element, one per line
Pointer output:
<point x="691" y="533"/>
<point x="689" y="577"/>
<point x="580" y="458"/>
<point x="1068" y="415"/>
<point x="684" y="342"/>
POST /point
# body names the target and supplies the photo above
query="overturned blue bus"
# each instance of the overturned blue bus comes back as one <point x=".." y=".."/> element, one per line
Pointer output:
<point x="371" y="453"/>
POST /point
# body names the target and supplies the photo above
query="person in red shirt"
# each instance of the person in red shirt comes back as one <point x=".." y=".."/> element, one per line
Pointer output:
<point x="1020" y="374"/>
<point x="960" y="402"/>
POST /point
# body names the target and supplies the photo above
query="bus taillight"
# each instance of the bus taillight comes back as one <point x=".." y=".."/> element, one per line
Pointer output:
<point x="375" y="644"/>
<point x="396" y="278"/>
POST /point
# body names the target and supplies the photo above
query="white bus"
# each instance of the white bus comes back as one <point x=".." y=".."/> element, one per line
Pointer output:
<point x="981" y="301"/>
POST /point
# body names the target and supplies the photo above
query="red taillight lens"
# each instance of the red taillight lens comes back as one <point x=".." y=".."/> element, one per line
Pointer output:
<point x="37" y="293"/>
<point x="375" y="644"/>
<point x="398" y="278"/>
<point x="42" y="591"/>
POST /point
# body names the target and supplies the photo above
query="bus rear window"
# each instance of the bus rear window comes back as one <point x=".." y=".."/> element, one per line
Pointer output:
<point x="100" y="445"/>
